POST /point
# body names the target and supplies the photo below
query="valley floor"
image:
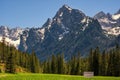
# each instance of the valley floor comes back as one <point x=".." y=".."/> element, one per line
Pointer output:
<point x="28" y="76"/>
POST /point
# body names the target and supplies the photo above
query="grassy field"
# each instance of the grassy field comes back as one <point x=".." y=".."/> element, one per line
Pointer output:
<point x="25" y="76"/>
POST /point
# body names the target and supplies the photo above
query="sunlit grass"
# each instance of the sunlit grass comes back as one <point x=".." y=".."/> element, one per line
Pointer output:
<point x="28" y="76"/>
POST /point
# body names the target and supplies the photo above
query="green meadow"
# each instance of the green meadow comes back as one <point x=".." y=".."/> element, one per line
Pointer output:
<point x="30" y="76"/>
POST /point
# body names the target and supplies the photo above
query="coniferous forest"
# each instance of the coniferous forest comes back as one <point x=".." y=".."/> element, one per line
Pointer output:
<point x="106" y="63"/>
<point x="13" y="60"/>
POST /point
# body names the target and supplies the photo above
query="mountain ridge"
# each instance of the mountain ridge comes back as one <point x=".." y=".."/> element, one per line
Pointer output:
<point x="70" y="31"/>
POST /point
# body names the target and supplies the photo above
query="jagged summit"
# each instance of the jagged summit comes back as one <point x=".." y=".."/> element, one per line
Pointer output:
<point x="100" y="14"/>
<point x="66" y="10"/>
<point x="66" y="7"/>
<point x="109" y="22"/>
<point x="63" y="10"/>
<point x="47" y="23"/>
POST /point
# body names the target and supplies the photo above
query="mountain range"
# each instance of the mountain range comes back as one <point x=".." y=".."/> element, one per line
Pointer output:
<point x="70" y="32"/>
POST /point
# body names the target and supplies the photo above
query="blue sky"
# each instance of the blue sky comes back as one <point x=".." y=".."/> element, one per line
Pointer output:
<point x="34" y="13"/>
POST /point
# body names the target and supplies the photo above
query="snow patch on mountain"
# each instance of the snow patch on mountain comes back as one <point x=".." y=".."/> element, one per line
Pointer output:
<point x="66" y="31"/>
<point x="83" y="21"/>
<point x="60" y="37"/>
<point x="12" y="36"/>
<point x="86" y="21"/>
<point x="115" y="17"/>
<point x="61" y="14"/>
<point x="42" y="31"/>
<point x="11" y="42"/>
<point x="68" y="7"/>
<point x="109" y="22"/>
<point x="112" y="31"/>
<point x="15" y="33"/>
<point x="106" y="20"/>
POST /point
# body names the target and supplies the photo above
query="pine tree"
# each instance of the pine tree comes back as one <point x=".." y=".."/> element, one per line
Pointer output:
<point x="3" y="49"/>
<point x="116" y="61"/>
<point x="73" y="64"/>
<point x="77" y="71"/>
<point x="96" y="61"/>
<point x="10" y="62"/>
<point x="35" y="67"/>
<point x="110" y="64"/>
<point x="49" y="70"/>
<point x="68" y="67"/>
<point x="0" y="52"/>
<point x="45" y="67"/>
<point x="53" y="64"/>
<point x="61" y="64"/>
<point x="78" y="67"/>
<point x="90" y="61"/>
<point x="103" y="64"/>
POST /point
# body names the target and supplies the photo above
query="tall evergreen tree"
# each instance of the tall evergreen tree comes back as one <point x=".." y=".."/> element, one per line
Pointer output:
<point x="78" y="67"/>
<point x="53" y="64"/>
<point x="110" y="64"/>
<point x="73" y="64"/>
<point x="3" y="49"/>
<point x="103" y="64"/>
<point x="35" y="67"/>
<point x="96" y="61"/>
<point x="61" y="64"/>
<point x="117" y="61"/>
<point x="49" y="69"/>
<point x="10" y="62"/>
<point x="90" y="61"/>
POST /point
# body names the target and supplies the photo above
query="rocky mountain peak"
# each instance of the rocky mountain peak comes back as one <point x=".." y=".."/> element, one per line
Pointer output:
<point x="66" y="7"/>
<point x="3" y="27"/>
<point x="100" y="14"/>
<point x="47" y="23"/>
<point x="109" y="22"/>
<point x="4" y="30"/>
<point x="63" y="10"/>
<point x="66" y="10"/>
<point x="67" y="16"/>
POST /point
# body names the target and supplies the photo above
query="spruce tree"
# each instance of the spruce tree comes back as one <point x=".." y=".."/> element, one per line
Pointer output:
<point x="10" y="62"/>
<point x="53" y="64"/>
<point x="117" y="61"/>
<point x="45" y="67"/>
<point x="90" y="60"/>
<point x="35" y="67"/>
<point x="3" y="49"/>
<point x="96" y="61"/>
<point x="103" y="64"/>
<point x="110" y="64"/>
<point x="49" y="69"/>
<point x="73" y="65"/>
<point x="78" y="67"/>
<point x="61" y="64"/>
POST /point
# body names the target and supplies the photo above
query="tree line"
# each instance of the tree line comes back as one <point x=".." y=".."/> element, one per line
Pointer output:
<point x="13" y="60"/>
<point x="106" y="63"/>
